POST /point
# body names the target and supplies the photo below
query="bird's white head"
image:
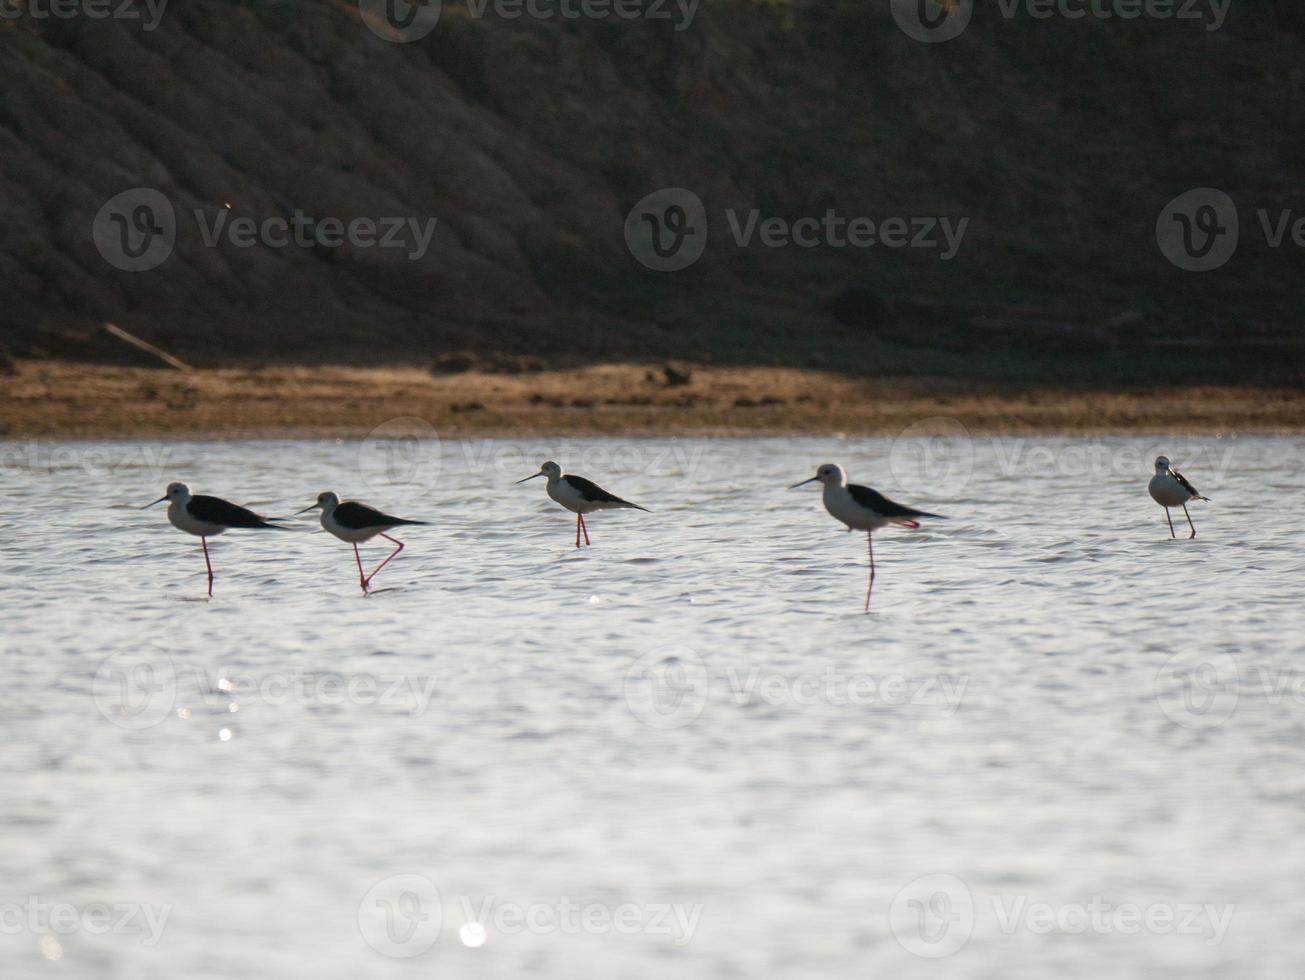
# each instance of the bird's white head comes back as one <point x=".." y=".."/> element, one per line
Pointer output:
<point x="1162" y="464"/>
<point x="830" y="474"/>
<point x="326" y="500"/>
<point x="548" y="469"/>
<point x="177" y="493"/>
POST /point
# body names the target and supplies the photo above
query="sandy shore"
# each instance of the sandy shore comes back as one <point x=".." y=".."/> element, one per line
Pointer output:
<point x="70" y="400"/>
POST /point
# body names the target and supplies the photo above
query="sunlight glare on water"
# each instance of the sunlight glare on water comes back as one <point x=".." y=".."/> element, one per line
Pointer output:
<point x="1061" y="744"/>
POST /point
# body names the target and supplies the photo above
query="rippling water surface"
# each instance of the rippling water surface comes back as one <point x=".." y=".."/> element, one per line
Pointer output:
<point x="1061" y="744"/>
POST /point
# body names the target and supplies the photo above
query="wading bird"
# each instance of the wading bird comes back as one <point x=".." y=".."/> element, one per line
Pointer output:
<point x="206" y="517"/>
<point x="355" y="523"/>
<point x="862" y="509"/>
<point x="1169" y="488"/>
<point x="580" y="496"/>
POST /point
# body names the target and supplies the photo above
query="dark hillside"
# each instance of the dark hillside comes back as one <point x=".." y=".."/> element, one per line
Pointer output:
<point x="1060" y="142"/>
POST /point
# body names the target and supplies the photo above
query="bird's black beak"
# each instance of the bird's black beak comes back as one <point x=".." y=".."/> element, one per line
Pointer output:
<point x="530" y="477"/>
<point x="804" y="483"/>
<point x="306" y="510"/>
<point x="159" y="501"/>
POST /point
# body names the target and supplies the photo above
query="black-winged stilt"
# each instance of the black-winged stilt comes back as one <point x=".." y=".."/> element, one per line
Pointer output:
<point x="862" y="509"/>
<point x="580" y="496"/>
<point x="206" y="517"/>
<point x="1169" y="488"/>
<point x="354" y="523"/>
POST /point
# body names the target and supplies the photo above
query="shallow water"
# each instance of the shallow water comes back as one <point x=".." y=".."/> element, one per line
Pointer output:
<point x="1062" y="743"/>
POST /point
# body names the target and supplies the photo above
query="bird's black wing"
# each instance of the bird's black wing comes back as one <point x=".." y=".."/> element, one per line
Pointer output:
<point x="1182" y="480"/>
<point x="359" y="516"/>
<point x="215" y="510"/>
<point x="877" y="502"/>
<point x="593" y="493"/>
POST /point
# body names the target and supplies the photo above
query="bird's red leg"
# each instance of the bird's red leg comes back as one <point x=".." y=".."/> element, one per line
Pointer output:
<point x="393" y="555"/>
<point x="870" y="545"/>
<point x="1189" y="522"/>
<point x="208" y="565"/>
<point x="584" y="527"/>
<point x="362" y="578"/>
<point x="1171" y="523"/>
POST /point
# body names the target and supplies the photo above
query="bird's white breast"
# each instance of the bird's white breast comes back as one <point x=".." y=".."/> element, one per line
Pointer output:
<point x="182" y="520"/>
<point x="349" y="534"/>
<point x="569" y="497"/>
<point x="841" y="505"/>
